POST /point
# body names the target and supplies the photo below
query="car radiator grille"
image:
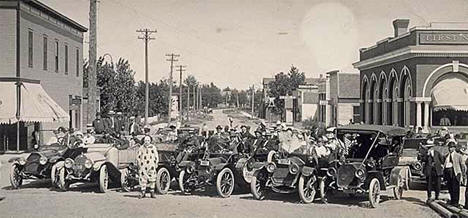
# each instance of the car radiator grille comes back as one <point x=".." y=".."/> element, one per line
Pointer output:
<point x="79" y="168"/>
<point x="345" y="175"/>
<point x="32" y="163"/>
<point x="282" y="176"/>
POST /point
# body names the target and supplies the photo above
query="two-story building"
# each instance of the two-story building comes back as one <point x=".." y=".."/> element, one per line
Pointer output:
<point x="417" y="77"/>
<point x="42" y="45"/>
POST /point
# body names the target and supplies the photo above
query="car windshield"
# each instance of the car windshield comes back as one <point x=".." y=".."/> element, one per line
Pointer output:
<point x="358" y="143"/>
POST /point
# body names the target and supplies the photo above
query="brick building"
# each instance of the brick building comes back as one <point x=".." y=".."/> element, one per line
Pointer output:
<point x="40" y="44"/>
<point x="338" y="99"/>
<point x="417" y="77"/>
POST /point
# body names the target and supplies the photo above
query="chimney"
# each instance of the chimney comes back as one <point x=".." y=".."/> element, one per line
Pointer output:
<point x="400" y="26"/>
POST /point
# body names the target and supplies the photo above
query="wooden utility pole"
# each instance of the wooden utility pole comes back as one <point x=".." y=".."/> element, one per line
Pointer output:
<point x="181" y="69"/>
<point x="92" y="72"/>
<point x="201" y="99"/>
<point x="253" y="99"/>
<point x="172" y="60"/>
<point x="188" y="99"/>
<point x="146" y="36"/>
<point x="195" y="98"/>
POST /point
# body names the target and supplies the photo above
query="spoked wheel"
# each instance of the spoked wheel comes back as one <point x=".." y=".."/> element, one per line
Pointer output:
<point x="398" y="189"/>
<point x="63" y="184"/>
<point x="163" y="181"/>
<point x="307" y="188"/>
<point x="225" y="183"/>
<point x="124" y="181"/>
<point x="182" y="178"/>
<point x="257" y="184"/>
<point x="15" y="176"/>
<point x="374" y="193"/>
<point x="103" y="179"/>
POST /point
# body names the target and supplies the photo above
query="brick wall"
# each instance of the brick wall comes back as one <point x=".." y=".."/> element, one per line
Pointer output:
<point x="8" y="42"/>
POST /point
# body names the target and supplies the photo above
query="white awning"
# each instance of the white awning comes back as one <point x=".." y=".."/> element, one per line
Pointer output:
<point x="36" y="105"/>
<point x="450" y="94"/>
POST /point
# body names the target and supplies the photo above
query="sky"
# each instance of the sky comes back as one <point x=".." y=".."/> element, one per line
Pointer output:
<point x="236" y="43"/>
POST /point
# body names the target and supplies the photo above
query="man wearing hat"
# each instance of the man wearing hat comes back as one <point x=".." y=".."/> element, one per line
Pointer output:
<point x="432" y="161"/>
<point x="99" y="125"/>
<point x="88" y="137"/>
<point x="110" y="121"/>
<point x="453" y="172"/>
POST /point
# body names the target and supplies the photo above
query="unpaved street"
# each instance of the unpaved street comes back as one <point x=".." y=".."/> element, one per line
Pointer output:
<point x="38" y="200"/>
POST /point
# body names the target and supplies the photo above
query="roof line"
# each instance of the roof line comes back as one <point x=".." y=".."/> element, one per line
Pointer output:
<point x="57" y="14"/>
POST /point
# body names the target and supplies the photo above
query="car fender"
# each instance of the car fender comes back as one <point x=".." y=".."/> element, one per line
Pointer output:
<point x="97" y="165"/>
<point x="378" y="175"/>
<point x="219" y="167"/>
<point x="55" y="159"/>
<point x="307" y="171"/>
<point x="259" y="165"/>
<point x="241" y="163"/>
<point x="183" y="164"/>
<point x="14" y="160"/>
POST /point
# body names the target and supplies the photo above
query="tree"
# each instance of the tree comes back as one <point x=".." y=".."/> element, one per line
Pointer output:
<point x="285" y="84"/>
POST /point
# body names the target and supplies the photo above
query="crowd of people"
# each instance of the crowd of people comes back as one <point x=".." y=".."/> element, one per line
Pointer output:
<point x="441" y="165"/>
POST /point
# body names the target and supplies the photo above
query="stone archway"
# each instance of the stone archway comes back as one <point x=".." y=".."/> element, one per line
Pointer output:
<point x="382" y="90"/>
<point x="372" y="99"/>
<point x="364" y="98"/>
<point x="392" y="108"/>
<point x="454" y="76"/>
<point x="406" y="92"/>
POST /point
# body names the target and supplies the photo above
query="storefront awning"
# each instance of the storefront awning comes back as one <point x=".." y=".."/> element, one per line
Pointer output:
<point x="36" y="105"/>
<point x="450" y="94"/>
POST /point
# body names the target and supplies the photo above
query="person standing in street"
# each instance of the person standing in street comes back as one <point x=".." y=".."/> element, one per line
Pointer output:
<point x="147" y="161"/>
<point x="99" y="125"/>
<point x="433" y="169"/>
<point x="453" y="169"/>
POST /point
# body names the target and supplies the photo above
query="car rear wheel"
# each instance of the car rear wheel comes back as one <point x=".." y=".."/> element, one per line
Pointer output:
<point x="124" y="182"/>
<point x="163" y="181"/>
<point x="374" y="193"/>
<point x="307" y="188"/>
<point x="257" y="185"/>
<point x="103" y="179"/>
<point x="15" y="176"/>
<point x="225" y="183"/>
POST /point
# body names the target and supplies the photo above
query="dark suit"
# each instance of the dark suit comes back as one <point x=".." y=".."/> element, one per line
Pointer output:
<point x="453" y="177"/>
<point x="433" y="171"/>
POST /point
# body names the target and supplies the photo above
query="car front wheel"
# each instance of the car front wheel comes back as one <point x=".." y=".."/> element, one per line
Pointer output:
<point x="163" y="180"/>
<point x="63" y="184"/>
<point x="307" y="188"/>
<point x="103" y="179"/>
<point x="257" y="184"/>
<point x="15" y="176"/>
<point x="374" y="193"/>
<point x="225" y="183"/>
<point x="124" y="181"/>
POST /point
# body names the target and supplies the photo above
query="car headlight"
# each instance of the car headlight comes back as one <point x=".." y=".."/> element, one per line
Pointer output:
<point x="293" y="168"/>
<point x="88" y="163"/>
<point x="271" y="167"/>
<point x="189" y="169"/>
<point x="331" y="172"/>
<point x="68" y="163"/>
<point x="43" y="160"/>
<point x="36" y="146"/>
<point x="22" y="161"/>
<point x="417" y="166"/>
<point x="359" y="173"/>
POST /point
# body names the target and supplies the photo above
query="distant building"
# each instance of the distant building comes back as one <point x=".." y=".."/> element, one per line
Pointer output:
<point x="338" y="99"/>
<point x="417" y="77"/>
<point x="50" y="51"/>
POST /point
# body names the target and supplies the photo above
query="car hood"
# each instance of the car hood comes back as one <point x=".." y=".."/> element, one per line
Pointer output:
<point x="48" y="152"/>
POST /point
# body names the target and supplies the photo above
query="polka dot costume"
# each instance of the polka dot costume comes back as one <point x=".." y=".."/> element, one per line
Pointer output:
<point x="147" y="161"/>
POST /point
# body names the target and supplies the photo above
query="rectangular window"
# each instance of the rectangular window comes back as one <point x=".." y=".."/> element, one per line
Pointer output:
<point x="66" y="59"/>
<point x="30" y="49"/>
<point x="56" y="56"/>
<point x="77" y="62"/>
<point x="44" y="58"/>
<point x="356" y="114"/>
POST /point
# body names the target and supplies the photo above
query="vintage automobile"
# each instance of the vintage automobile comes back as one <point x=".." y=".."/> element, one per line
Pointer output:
<point x="168" y="165"/>
<point x="217" y="167"/>
<point x="410" y="157"/>
<point x="286" y="172"/>
<point x="101" y="163"/>
<point x="371" y="164"/>
<point x="39" y="164"/>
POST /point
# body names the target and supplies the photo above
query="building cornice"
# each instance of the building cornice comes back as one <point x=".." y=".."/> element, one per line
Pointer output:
<point x="404" y="54"/>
